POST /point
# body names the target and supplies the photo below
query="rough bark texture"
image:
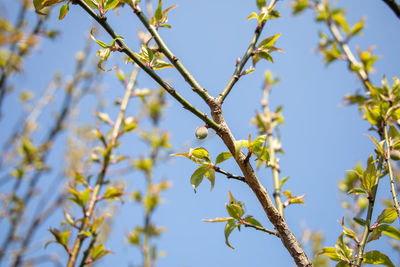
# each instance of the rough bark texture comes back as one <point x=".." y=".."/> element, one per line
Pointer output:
<point x="286" y="236"/>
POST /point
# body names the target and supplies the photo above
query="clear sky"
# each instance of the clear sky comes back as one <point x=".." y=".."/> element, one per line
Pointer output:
<point x="321" y="139"/>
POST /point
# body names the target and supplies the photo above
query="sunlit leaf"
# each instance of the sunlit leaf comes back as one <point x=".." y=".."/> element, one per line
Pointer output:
<point x="388" y="215"/>
<point x="377" y="258"/>
<point x="222" y="157"/>
<point x="229" y="227"/>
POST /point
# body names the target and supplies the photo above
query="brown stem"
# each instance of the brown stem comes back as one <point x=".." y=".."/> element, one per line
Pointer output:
<point x="287" y="237"/>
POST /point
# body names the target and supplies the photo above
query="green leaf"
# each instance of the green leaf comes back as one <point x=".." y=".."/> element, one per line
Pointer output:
<point x="369" y="177"/>
<point x="358" y="27"/>
<point x="201" y="153"/>
<point x="238" y="146"/>
<point x="261" y="4"/>
<point x="377" y="258"/>
<point x="357" y="191"/>
<point x="378" y="146"/>
<point x="161" y="64"/>
<point x="113" y="193"/>
<point x="252" y="16"/>
<point x="110" y="4"/>
<point x="235" y="210"/>
<point x="61" y="237"/>
<point x="197" y="176"/>
<point x="342" y="250"/>
<point x="330" y="252"/>
<point x="388" y="215"/>
<point x="85" y="194"/>
<point x="389" y="231"/>
<point x="222" y="157"/>
<point x="92" y="3"/>
<point x="269" y="41"/>
<point x="229" y="227"/>
<point x="210" y="175"/>
<point x="252" y="221"/>
<point x="149" y="53"/>
<point x="158" y="12"/>
<point x="102" y="44"/>
<point x="360" y="221"/>
<point x="63" y="11"/>
<point x="283" y="181"/>
<point x="372" y="115"/>
<point x="98" y="251"/>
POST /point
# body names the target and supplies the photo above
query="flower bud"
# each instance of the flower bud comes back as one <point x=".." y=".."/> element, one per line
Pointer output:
<point x="201" y="132"/>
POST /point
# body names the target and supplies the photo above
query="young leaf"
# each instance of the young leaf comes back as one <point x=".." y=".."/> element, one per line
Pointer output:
<point x="269" y="41"/>
<point x="252" y="221"/>
<point x="98" y="251"/>
<point x="357" y="191"/>
<point x="201" y="153"/>
<point x="389" y="231"/>
<point x="92" y="3"/>
<point x="102" y="44"/>
<point x="330" y="252"/>
<point x="235" y="211"/>
<point x="261" y="4"/>
<point x="238" y="146"/>
<point x="377" y="258"/>
<point x="342" y="250"/>
<point x="197" y="176"/>
<point x="63" y="11"/>
<point x="283" y="181"/>
<point x="222" y="157"/>
<point x="252" y="16"/>
<point x="210" y="175"/>
<point x="369" y="177"/>
<point x="387" y="216"/>
<point x="110" y="4"/>
<point x="158" y="12"/>
<point x="360" y="221"/>
<point x="229" y="227"/>
<point x="378" y="146"/>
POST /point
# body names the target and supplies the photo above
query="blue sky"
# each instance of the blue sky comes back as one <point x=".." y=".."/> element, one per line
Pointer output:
<point x="320" y="138"/>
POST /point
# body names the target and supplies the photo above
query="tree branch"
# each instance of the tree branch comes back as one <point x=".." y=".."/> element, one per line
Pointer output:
<point x="148" y="70"/>
<point x="239" y="67"/>
<point x="100" y="178"/>
<point x="394" y="7"/>
<point x="202" y="92"/>
<point x="287" y="237"/>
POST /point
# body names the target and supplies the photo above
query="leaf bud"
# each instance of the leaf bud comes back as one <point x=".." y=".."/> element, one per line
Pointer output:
<point x="201" y="132"/>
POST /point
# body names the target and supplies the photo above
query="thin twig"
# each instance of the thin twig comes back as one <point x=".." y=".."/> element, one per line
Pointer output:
<point x="202" y="92"/>
<point x="260" y="228"/>
<point x="230" y="175"/>
<point x="125" y="49"/>
<point x="391" y="175"/>
<point x="249" y="52"/>
<point x="239" y="67"/>
<point x="367" y="227"/>
<point x="361" y="73"/>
